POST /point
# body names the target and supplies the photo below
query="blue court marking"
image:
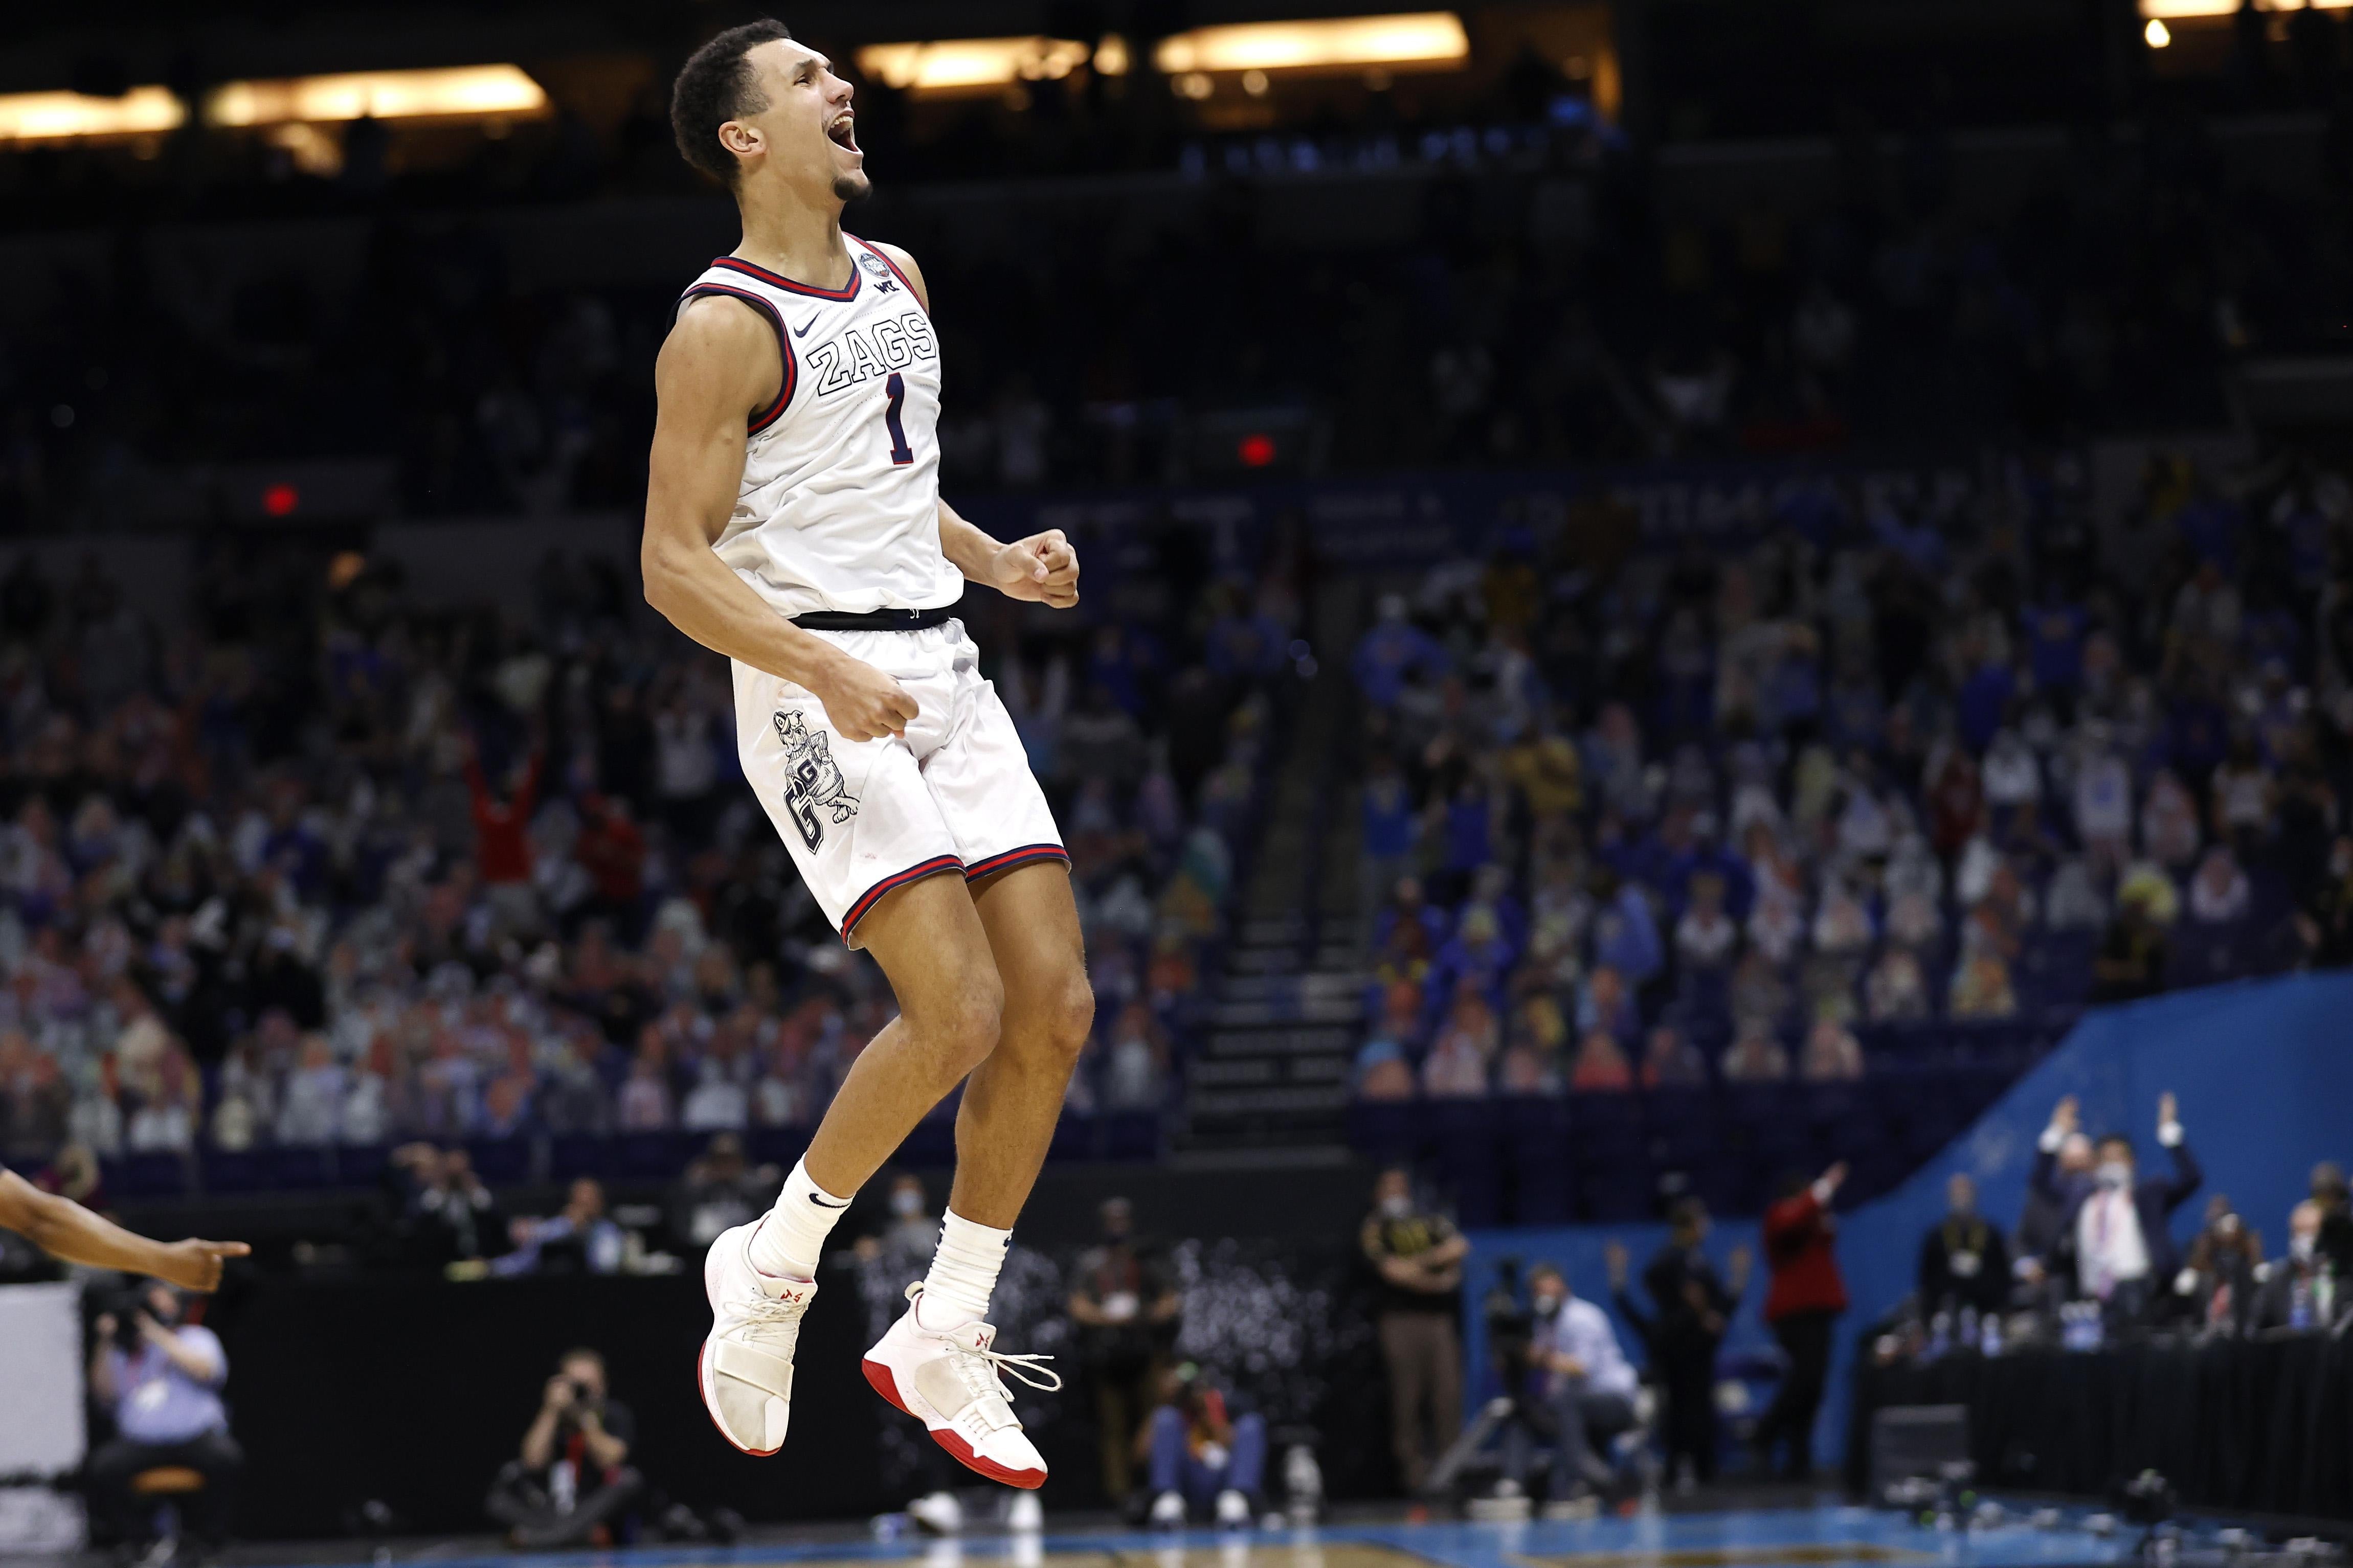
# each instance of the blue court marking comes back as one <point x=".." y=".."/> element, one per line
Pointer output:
<point x="1764" y="1539"/>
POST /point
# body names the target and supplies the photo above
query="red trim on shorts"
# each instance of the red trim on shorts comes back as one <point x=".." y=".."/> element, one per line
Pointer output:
<point x="1012" y="857"/>
<point x="916" y="873"/>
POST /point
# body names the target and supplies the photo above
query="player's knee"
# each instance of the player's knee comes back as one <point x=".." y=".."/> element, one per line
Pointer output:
<point x="1069" y="1015"/>
<point x="965" y="1027"/>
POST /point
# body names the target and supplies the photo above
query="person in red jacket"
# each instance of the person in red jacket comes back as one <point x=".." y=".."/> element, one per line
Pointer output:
<point x="1803" y="1300"/>
<point x="612" y="849"/>
<point x="502" y="839"/>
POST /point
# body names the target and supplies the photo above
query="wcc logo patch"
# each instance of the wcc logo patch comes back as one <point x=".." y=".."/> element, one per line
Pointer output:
<point x="813" y="781"/>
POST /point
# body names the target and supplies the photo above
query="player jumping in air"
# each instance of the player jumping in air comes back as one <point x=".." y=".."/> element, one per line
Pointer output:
<point x="794" y="523"/>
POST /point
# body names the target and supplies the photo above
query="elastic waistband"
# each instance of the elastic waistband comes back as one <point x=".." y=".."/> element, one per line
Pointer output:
<point x="875" y="620"/>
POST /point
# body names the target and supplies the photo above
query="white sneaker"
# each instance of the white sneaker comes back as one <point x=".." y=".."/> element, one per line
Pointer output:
<point x="1023" y="1515"/>
<point x="1233" y="1509"/>
<point x="947" y="1379"/>
<point x="746" y="1370"/>
<point x="940" y="1513"/>
<point x="1168" y="1509"/>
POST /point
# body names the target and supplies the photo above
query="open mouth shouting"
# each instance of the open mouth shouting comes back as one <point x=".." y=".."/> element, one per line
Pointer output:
<point x="842" y="132"/>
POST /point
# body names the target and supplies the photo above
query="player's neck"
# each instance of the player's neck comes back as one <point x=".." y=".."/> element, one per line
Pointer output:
<point x="792" y="237"/>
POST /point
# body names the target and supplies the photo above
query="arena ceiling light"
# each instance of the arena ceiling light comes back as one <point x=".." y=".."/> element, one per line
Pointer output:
<point x="2180" y="10"/>
<point x="1428" y="40"/>
<point x="971" y="65"/>
<point x="448" y="91"/>
<point x="74" y="116"/>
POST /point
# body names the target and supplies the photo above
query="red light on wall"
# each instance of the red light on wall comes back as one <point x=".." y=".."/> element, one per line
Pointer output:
<point x="281" y="499"/>
<point x="1256" y="451"/>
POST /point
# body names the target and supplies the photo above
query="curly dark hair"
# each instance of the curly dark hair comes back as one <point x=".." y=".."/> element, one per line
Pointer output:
<point x="715" y="87"/>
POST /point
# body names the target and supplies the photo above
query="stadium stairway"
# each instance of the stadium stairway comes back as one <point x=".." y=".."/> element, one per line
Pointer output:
<point x="1272" y="1067"/>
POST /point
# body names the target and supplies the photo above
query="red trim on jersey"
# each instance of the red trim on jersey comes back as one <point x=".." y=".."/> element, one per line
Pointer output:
<point x="916" y="873"/>
<point x="777" y="280"/>
<point x="767" y="416"/>
<point x="884" y="257"/>
<point x="1012" y="857"/>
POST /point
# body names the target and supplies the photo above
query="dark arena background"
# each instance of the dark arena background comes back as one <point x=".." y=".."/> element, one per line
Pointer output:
<point x="1707" y="758"/>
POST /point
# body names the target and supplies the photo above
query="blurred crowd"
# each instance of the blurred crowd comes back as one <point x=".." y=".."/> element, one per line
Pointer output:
<point x="1908" y="764"/>
<point x="1532" y="298"/>
<point x="324" y="866"/>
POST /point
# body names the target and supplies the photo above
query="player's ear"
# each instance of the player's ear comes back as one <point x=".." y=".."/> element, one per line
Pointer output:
<point x="741" y="141"/>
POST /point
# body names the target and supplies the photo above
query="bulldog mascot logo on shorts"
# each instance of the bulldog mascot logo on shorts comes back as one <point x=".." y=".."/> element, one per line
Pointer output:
<point x="812" y="778"/>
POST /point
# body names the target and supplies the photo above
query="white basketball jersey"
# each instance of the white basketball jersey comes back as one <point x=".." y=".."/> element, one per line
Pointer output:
<point x="840" y="504"/>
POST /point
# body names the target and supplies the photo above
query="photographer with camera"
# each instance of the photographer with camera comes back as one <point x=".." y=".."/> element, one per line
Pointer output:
<point x="1572" y="1385"/>
<point x="162" y="1378"/>
<point x="1203" y="1458"/>
<point x="573" y="1477"/>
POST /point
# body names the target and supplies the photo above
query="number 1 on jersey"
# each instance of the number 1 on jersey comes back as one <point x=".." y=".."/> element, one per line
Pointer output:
<point x="901" y="453"/>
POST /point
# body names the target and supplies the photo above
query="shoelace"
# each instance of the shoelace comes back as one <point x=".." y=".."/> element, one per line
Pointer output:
<point x="767" y="1310"/>
<point x="978" y="1367"/>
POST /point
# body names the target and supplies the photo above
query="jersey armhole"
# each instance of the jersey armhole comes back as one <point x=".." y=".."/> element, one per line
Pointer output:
<point x="790" y="374"/>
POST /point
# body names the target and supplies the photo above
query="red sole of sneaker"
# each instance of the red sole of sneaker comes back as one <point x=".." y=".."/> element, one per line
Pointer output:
<point x="701" y="1357"/>
<point x="887" y="1386"/>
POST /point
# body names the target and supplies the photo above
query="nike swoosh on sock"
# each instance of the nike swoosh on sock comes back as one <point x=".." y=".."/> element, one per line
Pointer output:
<point x="823" y="1204"/>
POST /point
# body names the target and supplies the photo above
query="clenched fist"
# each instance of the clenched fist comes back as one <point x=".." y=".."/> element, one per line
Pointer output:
<point x="862" y="703"/>
<point x="1042" y="567"/>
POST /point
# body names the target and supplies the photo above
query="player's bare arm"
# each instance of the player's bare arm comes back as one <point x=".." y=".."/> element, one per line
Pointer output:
<point x="1042" y="567"/>
<point x="721" y="361"/>
<point x="63" y="1228"/>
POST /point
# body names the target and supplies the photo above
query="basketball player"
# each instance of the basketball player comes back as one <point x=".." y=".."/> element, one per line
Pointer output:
<point x="63" y="1228"/>
<point x="794" y="523"/>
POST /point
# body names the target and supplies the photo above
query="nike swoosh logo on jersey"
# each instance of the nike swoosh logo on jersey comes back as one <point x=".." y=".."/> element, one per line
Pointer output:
<point x="823" y="1204"/>
<point x="803" y="332"/>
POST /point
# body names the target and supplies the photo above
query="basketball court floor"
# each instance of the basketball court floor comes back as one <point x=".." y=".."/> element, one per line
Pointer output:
<point x="1776" y="1538"/>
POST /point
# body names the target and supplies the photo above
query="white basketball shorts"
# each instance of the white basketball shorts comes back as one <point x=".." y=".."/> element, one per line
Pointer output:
<point x="862" y="817"/>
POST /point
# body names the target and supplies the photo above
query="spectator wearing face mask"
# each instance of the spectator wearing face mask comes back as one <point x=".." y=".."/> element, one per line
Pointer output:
<point x="2118" y="1220"/>
<point x="1964" y="1262"/>
<point x="1419" y="1258"/>
<point x="2215" y="1291"/>
<point x="1580" y="1387"/>
<point x="1125" y="1307"/>
<point x="2302" y="1290"/>
<point x="908" y="1239"/>
<point x="1690" y="1306"/>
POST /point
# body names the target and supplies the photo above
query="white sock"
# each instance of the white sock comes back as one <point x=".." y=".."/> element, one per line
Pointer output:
<point x="792" y="1240"/>
<point x="964" y="1271"/>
